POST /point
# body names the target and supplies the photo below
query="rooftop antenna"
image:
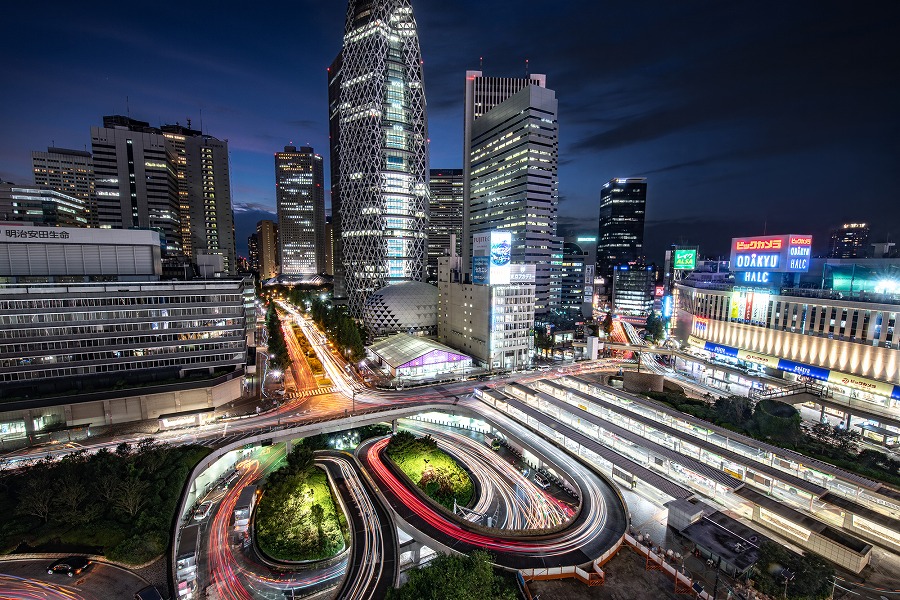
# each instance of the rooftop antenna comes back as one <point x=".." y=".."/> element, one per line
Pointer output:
<point x="188" y="122"/>
<point x="526" y="68"/>
<point x="127" y="108"/>
<point x="201" y="121"/>
<point x="480" y="63"/>
<point x="765" y="226"/>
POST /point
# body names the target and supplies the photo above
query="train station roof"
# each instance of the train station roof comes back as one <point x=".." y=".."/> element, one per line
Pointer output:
<point x="404" y="350"/>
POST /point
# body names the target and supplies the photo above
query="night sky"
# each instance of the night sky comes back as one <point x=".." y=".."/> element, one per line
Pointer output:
<point x="743" y="116"/>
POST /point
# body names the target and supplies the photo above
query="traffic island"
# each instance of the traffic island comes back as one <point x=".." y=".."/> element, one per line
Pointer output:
<point x="297" y="519"/>
<point x="431" y="469"/>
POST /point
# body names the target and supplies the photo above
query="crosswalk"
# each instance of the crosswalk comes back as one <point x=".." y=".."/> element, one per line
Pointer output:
<point x="307" y="393"/>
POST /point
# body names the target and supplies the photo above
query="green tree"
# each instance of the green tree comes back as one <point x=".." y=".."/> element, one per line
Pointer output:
<point x="317" y="515"/>
<point x="654" y="328"/>
<point x="607" y="324"/>
<point x="454" y="577"/>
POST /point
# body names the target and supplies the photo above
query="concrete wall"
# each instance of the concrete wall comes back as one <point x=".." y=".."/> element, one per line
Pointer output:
<point x="642" y="382"/>
<point x="150" y="406"/>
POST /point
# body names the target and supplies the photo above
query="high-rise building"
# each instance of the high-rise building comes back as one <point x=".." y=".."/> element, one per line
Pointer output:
<point x="849" y="241"/>
<point x="620" y="238"/>
<point x="514" y="185"/>
<point x="253" y="251"/>
<point x="329" y="246"/>
<point x="135" y="181"/>
<point x="42" y="206"/>
<point x="300" y="194"/>
<point x="632" y="289"/>
<point x="175" y="136"/>
<point x="70" y="172"/>
<point x="446" y="208"/>
<point x="483" y="94"/>
<point x="380" y="136"/>
<point x="268" y="243"/>
<point x="209" y="199"/>
<point x="576" y="282"/>
<point x="204" y="193"/>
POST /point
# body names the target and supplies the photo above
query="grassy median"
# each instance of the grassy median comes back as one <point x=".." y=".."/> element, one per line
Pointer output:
<point x="297" y="519"/>
<point x="434" y="471"/>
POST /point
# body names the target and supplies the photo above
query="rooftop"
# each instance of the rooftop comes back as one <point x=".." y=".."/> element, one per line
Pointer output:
<point x="402" y="348"/>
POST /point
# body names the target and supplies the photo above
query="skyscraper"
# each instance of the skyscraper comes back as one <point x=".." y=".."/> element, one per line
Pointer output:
<point x="209" y="199"/>
<point x="253" y="252"/>
<point x="300" y="195"/>
<point x="620" y="238"/>
<point x="483" y="94"/>
<point x="849" y="241"/>
<point x="446" y="208"/>
<point x="514" y="184"/>
<point x="135" y="184"/>
<point x="204" y="193"/>
<point x="329" y="246"/>
<point x="41" y="205"/>
<point x="70" y="172"/>
<point x="267" y="243"/>
<point x="380" y="137"/>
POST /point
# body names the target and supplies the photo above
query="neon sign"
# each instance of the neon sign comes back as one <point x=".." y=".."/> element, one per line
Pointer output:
<point x="744" y="245"/>
<point x="757" y="261"/>
<point x="755" y="276"/>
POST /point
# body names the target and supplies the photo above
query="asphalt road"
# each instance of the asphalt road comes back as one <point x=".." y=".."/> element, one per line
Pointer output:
<point x="28" y="580"/>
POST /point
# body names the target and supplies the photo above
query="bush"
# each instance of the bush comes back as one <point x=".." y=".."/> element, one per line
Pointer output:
<point x="454" y="577"/>
<point x="433" y="471"/>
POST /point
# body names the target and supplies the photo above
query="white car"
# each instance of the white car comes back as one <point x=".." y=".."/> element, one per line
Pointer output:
<point x="203" y="511"/>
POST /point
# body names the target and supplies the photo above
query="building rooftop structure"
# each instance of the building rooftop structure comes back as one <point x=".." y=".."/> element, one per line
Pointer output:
<point x="409" y="307"/>
<point x="402" y="350"/>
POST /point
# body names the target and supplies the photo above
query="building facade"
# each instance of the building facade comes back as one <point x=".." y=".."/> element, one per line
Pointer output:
<point x="849" y="241"/>
<point x="211" y="220"/>
<point x="135" y="180"/>
<point x="329" y="246"/>
<point x="267" y="235"/>
<point x="620" y="238"/>
<point x="176" y="135"/>
<point x="253" y="252"/>
<point x="632" y="289"/>
<point x="446" y="208"/>
<point x="377" y="101"/>
<point x="483" y="94"/>
<point x="300" y="195"/>
<point x="494" y="324"/>
<point x="41" y="206"/>
<point x="576" y="283"/>
<point x="514" y="184"/>
<point x="70" y="172"/>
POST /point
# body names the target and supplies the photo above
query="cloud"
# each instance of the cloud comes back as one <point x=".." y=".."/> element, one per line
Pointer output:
<point x="242" y="207"/>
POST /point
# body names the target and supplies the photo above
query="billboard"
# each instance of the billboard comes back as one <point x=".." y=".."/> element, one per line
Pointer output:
<point x="789" y="253"/>
<point x="685" y="260"/>
<point x="491" y="254"/>
<point x="481" y="245"/>
<point x="501" y="253"/>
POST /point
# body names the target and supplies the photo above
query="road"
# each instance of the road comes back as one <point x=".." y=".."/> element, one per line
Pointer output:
<point x="512" y="500"/>
<point x="372" y="568"/>
<point x="28" y="580"/>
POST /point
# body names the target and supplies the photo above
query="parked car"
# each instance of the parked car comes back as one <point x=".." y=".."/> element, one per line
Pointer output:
<point x="148" y="593"/>
<point x="71" y="566"/>
<point x="203" y="511"/>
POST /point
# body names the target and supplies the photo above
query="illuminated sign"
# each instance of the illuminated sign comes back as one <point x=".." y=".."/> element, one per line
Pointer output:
<point x="804" y="370"/>
<point x="773" y="253"/>
<point x="668" y="307"/>
<point x="684" y="260"/>
<point x="757" y="261"/>
<point x="659" y="291"/>
<point x="481" y="243"/>
<point x="753" y="277"/>
<point x="501" y="252"/>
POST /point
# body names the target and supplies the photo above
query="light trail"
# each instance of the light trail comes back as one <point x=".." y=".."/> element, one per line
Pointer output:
<point x="572" y="539"/>
<point x="20" y="588"/>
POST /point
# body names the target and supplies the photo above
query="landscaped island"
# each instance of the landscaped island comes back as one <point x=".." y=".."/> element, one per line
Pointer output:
<point x="119" y="504"/>
<point x="434" y="471"/>
<point x="296" y="519"/>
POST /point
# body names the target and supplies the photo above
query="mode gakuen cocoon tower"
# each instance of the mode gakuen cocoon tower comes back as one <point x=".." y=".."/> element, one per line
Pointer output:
<point x="379" y="138"/>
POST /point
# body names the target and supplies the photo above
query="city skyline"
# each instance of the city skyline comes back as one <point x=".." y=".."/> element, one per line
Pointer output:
<point x="701" y="108"/>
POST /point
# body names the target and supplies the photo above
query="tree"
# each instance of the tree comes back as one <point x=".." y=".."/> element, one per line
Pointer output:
<point x="132" y="496"/>
<point x="452" y="577"/>
<point x="542" y="341"/>
<point x="70" y="492"/>
<point x="317" y="514"/>
<point x="654" y="328"/>
<point x="607" y="324"/>
<point x="37" y="495"/>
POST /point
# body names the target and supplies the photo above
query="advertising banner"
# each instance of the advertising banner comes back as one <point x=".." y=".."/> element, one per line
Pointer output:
<point x="684" y="260"/>
<point x="789" y="253"/>
<point x="481" y="246"/>
<point x="861" y="383"/>
<point x="500" y="255"/>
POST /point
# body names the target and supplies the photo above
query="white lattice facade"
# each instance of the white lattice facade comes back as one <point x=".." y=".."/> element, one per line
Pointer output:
<point x="408" y="307"/>
<point x="382" y="150"/>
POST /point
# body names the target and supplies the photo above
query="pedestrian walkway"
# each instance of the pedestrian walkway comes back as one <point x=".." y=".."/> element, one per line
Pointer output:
<point x="307" y="393"/>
